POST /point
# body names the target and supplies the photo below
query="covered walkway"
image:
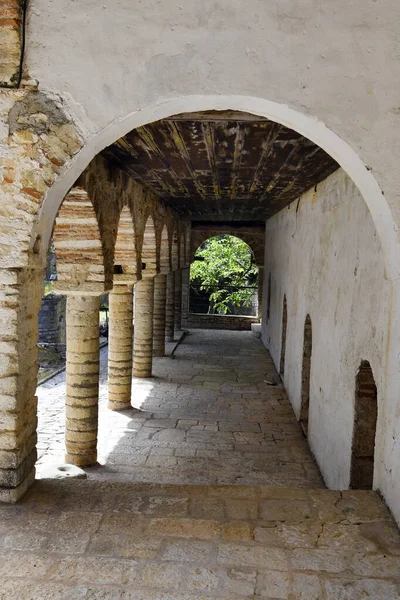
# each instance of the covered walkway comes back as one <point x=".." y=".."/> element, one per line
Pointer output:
<point x="207" y="417"/>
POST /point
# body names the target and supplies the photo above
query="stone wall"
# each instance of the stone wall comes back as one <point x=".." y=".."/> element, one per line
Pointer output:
<point x="324" y="255"/>
<point x="233" y="322"/>
<point x="52" y="320"/>
<point x="11" y="34"/>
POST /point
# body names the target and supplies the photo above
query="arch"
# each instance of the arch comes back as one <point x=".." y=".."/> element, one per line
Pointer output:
<point x="125" y="258"/>
<point x="305" y="375"/>
<point x="164" y="251"/>
<point x="228" y="288"/>
<point x="365" y="418"/>
<point x="283" y="338"/>
<point x="255" y="241"/>
<point x="210" y="235"/>
<point x="149" y="260"/>
<point x="78" y="245"/>
<point x="308" y="126"/>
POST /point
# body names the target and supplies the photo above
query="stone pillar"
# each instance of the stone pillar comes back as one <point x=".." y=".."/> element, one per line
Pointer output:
<point x="260" y="291"/>
<point x="170" y="308"/>
<point x="83" y="365"/>
<point x="160" y="296"/>
<point x="185" y="295"/>
<point x="178" y="299"/>
<point x="143" y="338"/>
<point x="20" y="300"/>
<point x="120" y="346"/>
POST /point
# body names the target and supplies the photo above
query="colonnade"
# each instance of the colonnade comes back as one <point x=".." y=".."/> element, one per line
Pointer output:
<point x="157" y="305"/>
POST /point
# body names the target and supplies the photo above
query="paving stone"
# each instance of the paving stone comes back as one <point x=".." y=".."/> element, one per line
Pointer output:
<point x="149" y="523"/>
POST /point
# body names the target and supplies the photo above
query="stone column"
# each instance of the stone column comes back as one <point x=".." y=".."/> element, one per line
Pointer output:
<point x="260" y="291"/>
<point x="120" y="345"/>
<point x="178" y="299"/>
<point x="185" y="295"/>
<point x="170" y="308"/>
<point x="83" y="365"/>
<point x="143" y="338"/>
<point x="160" y="296"/>
<point x="20" y="300"/>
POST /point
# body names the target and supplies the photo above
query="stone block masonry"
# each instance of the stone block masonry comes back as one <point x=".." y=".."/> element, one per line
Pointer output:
<point x="82" y="380"/>
<point x="143" y="340"/>
<point x="120" y="347"/>
<point x="11" y="23"/>
<point x="160" y="296"/>
<point x="170" y="308"/>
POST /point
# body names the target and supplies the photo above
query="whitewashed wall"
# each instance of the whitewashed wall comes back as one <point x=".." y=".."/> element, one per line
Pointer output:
<point x="324" y="254"/>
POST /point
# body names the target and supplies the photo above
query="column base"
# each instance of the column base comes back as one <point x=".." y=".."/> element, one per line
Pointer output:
<point x="12" y="495"/>
<point x="79" y="460"/>
<point x="113" y="405"/>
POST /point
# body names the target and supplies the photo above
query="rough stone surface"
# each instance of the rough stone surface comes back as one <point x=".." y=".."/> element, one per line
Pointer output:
<point x="82" y="380"/>
<point x="143" y="341"/>
<point x="120" y="347"/>
<point x="92" y="540"/>
<point x="206" y="417"/>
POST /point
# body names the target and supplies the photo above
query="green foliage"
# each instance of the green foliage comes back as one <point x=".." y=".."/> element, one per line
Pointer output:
<point x="48" y="287"/>
<point x="224" y="268"/>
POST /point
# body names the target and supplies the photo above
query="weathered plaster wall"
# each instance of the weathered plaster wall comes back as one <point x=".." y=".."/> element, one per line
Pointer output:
<point x="324" y="254"/>
<point x="335" y="61"/>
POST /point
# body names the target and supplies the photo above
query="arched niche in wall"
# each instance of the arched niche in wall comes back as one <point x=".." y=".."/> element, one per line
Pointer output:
<point x="125" y="258"/>
<point x="365" y="418"/>
<point x="305" y="375"/>
<point x="283" y="338"/>
<point x="149" y="262"/>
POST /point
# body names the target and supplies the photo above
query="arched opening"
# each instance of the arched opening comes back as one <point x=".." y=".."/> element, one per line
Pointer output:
<point x="364" y="432"/>
<point x="125" y="258"/>
<point x="305" y="375"/>
<point x="164" y="251"/>
<point x="283" y="338"/>
<point x="308" y="126"/>
<point x="149" y="262"/>
<point x="223" y="278"/>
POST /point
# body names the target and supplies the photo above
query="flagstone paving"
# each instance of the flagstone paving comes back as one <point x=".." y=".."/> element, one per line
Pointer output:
<point x="95" y="540"/>
<point x="151" y="523"/>
<point x="207" y="416"/>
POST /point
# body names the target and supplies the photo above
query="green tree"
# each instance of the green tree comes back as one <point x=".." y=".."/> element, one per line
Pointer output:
<point x="224" y="268"/>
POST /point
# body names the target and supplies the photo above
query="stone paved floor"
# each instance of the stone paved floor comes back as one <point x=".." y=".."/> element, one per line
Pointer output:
<point x="208" y="416"/>
<point x="91" y="540"/>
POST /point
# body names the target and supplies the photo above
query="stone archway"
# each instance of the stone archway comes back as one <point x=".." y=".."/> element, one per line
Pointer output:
<point x="309" y="127"/>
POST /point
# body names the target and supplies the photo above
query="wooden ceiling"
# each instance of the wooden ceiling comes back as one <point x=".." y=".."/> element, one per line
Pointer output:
<point x="222" y="166"/>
